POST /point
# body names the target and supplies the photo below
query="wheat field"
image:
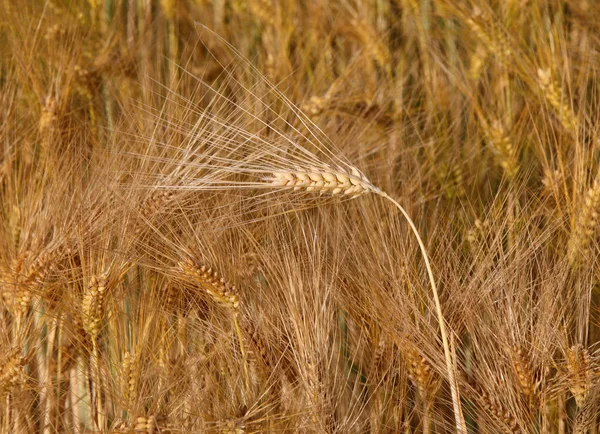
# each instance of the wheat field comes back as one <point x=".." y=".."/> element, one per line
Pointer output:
<point x="299" y="216"/>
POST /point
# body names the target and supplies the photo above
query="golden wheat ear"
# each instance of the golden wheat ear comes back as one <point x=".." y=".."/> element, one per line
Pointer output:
<point x="333" y="182"/>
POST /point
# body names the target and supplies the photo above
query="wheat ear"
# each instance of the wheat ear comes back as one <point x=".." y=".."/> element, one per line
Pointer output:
<point x="338" y="182"/>
<point x="334" y="182"/>
<point x="223" y="293"/>
<point x="92" y="311"/>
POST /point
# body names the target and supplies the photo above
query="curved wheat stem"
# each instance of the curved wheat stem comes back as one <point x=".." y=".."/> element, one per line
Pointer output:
<point x="460" y="423"/>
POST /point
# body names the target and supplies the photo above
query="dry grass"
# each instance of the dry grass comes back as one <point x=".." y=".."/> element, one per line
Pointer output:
<point x="196" y="232"/>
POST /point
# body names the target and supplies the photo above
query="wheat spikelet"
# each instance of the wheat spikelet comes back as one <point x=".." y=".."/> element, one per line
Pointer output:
<point x="234" y="427"/>
<point x="503" y="148"/>
<point x="580" y="373"/>
<point x="130" y="370"/>
<point x="143" y="425"/>
<point x="48" y="123"/>
<point x="317" y="398"/>
<point x="315" y="105"/>
<point x="477" y="62"/>
<point x="455" y="187"/>
<point x="426" y="381"/>
<point x="263" y="10"/>
<point x="168" y="7"/>
<point x="16" y="295"/>
<point x="585" y="224"/>
<point x="154" y="203"/>
<point x="421" y="374"/>
<point x="224" y="294"/>
<point x="333" y="182"/>
<point x="146" y="425"/>
<point x="150" y="207"/>
<point x="551" y="180"/>
<point x="92" y="305"/>
<point x="19" y="281"/>
<point x="554" y="97"/>
<point x="43" y="265"/>
<point x="524" y="372"/>
<point x="497" y="412"/>
<point x="256" y="345"/>
<point x="378" y="354"/>
<point x="477" y="233"/>
<point x="214" y="285"/>
<point x="12" y="373"/>
<point x="318" y="104"/>
<point x="495" y="40"/>
<point x="46" y="263"/>
<point x="378" y="51"/>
